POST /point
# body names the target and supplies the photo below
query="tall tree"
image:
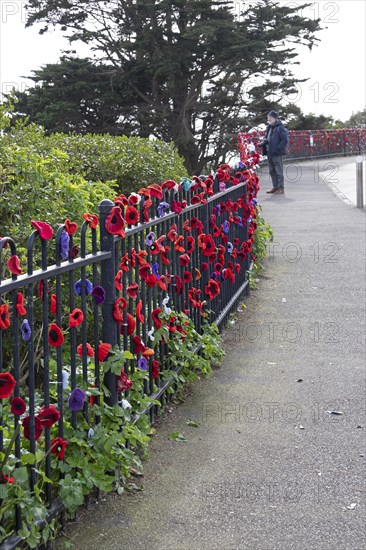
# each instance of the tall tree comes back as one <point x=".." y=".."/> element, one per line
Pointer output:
<point x="79" y="95"/>
<point x="357" y="120"/>
<point x="187" y="62"/>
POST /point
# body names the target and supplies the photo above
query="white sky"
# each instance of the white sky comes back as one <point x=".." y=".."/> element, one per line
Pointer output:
<point x="336" y="68"/>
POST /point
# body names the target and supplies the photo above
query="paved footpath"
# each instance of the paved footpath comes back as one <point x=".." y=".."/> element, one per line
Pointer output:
<point x="269" y="467"/>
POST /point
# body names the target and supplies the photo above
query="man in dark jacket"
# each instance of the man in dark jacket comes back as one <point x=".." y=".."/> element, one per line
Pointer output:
<point x="274" y="146"/>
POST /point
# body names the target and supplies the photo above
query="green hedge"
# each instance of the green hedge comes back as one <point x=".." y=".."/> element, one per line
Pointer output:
<point x="62" y="176"/>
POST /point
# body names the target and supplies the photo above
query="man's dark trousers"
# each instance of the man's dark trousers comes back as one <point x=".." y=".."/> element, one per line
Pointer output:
<point x="275" y="164"/>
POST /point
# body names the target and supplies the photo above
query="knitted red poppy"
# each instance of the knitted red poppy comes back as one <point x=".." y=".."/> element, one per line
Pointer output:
<point x="178" y="244"/>
<point x="121" y="200"/>
<point x="132" y="290"/>
<point x="155" y="191"/>
<point x="184" y="260"/>
<point x="212" y="289"/>
<point x="76" y="317"/>
<point x="115" y="223"/>
<point x="88" y="348"/>
<point x="141" y="257"/>
<point x="151" y="280"/>
<point x="103" y="351"/>
<point x="131" y="325"/>
<point x="132" y="216"/>
<point x="155" y="369"/>
<point x="55" y="336"/>
<point x="163" y="254"/>
<point x="123" y="382"/>
<point x="91" y="219"/>
<point x="125" y="263"/>
<point x="162" y="283"/>
<point x="70" y="227"/>
<point x="58" y="447"/>
<point x="173" y="234"/>
<point x="7" y="384"/>
<point x="14" y="265"/>
<point x="119" y="305"/>
<point x="155" y="317"/>
<point x="45" y="231"/>
<point x="20" y="305"/>
<point x="139" y="314"/>
<point x="118" y="280"/>
<point x="144" y="271"/>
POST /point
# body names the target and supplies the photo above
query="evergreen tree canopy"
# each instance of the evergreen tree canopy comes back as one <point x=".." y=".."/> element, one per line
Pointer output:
<point x="189" y="65"/>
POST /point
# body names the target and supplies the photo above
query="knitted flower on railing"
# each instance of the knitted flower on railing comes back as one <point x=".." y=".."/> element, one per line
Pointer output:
<point x="91" y="219"/>
<point x="155" y="369"/>
<point x="70" y="227"/>
<point x="193" y="297"/>
<point x="144" y="271"/>
<point x="58" y="447"/>
<point x="155" y="191"/>
<point x="76" y="399"/>
<point x="212" y="289"/>
<point x="7" y="384"/>
<point x="162" y="206"/>
<point x="21" y="311"/>
<point x="155" y="317"/>
<point x="14" y="265"/>
<point x="132" y="216"/>
<point x="139" y="314"/>
<point x="130" y="325"/>
<point x="142" y="363"/>
<point x="76" y="317"/>
<point x="132" y="290"/>
<point x="78" y="287"/>
<point x="150" y="238"/>
<point x="26" y="330"/>
<point x="119" y="305"/>
<point x="115" y="223"/>
<point x="118" y="280"/>
<point x="18" y="406"/>
<point x="55" y="336"/>
<point x="48" y="416"/>
<point x="88" y="348"/>
<point x="37" y="427"/>
<point x="98" y="294"/>
<point x="123" y="382"/>
<point x="45" y="231"/>
<point x="64" y="245"/>
<point x="103" y="351"/>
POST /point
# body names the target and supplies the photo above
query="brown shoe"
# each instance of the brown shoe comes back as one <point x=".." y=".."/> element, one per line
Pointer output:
<point x="279" y="191"/>
<point x="271" y="190"/>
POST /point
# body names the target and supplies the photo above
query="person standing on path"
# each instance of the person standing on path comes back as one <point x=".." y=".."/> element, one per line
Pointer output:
<point x="274" y="146"/>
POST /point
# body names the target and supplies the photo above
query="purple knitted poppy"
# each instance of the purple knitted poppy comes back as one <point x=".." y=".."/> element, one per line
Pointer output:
<point x="76" y="399"/>
<point x="98" y="293"/>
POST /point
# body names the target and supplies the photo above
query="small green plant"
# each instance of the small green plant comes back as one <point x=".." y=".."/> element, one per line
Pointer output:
<point x="263" y="234"/>
<point x="108" y="442"/>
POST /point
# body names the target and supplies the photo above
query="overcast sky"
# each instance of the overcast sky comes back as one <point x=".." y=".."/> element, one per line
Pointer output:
<point x="335" y="68"/>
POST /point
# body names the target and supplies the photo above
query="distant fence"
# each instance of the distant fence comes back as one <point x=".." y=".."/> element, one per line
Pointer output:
<point x="187" y="246"/>
<point x="314" y="143"/>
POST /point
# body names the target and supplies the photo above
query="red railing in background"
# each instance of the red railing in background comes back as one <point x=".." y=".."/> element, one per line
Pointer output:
<point x="314" y="143"/>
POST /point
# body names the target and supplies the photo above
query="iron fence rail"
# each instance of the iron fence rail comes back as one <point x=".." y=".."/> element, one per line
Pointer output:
<point x="314" y="143"/>
<point x="52" y="290"/>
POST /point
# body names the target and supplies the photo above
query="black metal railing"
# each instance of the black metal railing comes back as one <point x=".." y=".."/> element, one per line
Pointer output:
<point x="314" y="143"/>
<point x="63" y="307"/>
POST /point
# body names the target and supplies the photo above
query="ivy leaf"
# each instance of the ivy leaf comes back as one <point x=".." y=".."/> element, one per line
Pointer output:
<point x="28" y="458"/>
<point x="4" y="488"/>
<point x="193" y="423"/>
<point x="20" y="474"/>
<point x="176" y="436"/>
<point x="128" y="355"/>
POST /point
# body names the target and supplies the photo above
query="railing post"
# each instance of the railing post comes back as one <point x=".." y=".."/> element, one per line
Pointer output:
<point x="359" y="182"/>
<point x="109" y="325"/>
